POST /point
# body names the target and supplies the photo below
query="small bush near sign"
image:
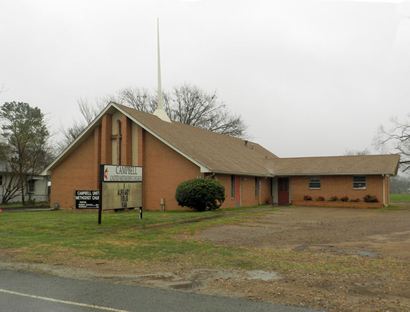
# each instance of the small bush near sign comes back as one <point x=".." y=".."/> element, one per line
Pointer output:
<point x="200" y="194"/>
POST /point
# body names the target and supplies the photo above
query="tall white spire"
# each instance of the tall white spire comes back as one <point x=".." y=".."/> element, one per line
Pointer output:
<point x="160" y="111"/>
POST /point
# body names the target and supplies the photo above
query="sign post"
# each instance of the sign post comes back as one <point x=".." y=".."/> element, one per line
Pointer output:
<point x="121" y="188"/>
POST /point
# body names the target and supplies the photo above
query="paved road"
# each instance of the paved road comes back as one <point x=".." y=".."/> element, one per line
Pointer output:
<point x="34" y="292"/>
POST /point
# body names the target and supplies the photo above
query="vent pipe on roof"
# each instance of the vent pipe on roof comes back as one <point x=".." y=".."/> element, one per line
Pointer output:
<point x="160" y="111"/>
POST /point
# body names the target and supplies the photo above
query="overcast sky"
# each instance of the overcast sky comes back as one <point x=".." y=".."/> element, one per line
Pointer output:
<point x="308" y="77"/>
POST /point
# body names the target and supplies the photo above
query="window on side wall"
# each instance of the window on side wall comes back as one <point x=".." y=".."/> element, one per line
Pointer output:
<point x="30" y="187"/>
<point x="1" y="180"/>
<point x="314" y="183"/>
<point x="232" y="186"/>
<point x="359" y="182"/>
<point x="257" y="186"/>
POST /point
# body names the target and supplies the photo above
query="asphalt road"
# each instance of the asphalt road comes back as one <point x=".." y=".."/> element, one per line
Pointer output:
<point x="34" y="292"/>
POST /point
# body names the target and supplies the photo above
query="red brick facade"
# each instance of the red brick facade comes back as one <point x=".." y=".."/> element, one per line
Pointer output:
<point x="339" y="186"/>
<point x="163" y="169"/>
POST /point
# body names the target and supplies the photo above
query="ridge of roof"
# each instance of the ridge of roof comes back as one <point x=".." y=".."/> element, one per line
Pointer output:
<point x="187" y="125"/>
<point x="341" y="156"/>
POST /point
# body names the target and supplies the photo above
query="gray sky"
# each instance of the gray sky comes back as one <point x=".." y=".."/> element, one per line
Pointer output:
<point x="308" y="77"/>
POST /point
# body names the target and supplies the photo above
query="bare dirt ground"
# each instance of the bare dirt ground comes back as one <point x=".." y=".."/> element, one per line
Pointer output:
<point x="365" y="256"/>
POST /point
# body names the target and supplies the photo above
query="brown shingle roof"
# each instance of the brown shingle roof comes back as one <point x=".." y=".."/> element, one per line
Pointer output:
<point x="218" y="152"/>
<point x="336" y="165"/>
<point x="225" y="154"/>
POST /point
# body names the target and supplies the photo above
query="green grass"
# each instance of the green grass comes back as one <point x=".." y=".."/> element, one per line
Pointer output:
<point x="47" y="235"/>
<point x="160" y="240"/>
<point x="397" y="198"/>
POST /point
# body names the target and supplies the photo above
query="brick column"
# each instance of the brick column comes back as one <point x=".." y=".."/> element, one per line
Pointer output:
<point x="97" y="154"/>
<point x="140" y="146"/>
<point x="126" y="140"/>
<point x="106" y="149"/>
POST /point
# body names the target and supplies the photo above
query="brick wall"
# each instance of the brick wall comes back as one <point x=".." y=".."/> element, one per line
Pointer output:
<point x="266" y="191"/>
<point x="226" y="182"/>
<point x="247" y="191"/>
<point x="336" y="186"/>
<point x="78" y="171"/>
<point x="163" y="170"/>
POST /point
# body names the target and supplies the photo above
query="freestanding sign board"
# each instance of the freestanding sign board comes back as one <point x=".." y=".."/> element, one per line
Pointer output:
<point x="121" y="188"/>
<point x="87" y="199"/>
<point x="112" y="173"/>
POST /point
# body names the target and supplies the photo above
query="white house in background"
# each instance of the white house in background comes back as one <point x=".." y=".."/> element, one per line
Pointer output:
<point x="36" y="186"/>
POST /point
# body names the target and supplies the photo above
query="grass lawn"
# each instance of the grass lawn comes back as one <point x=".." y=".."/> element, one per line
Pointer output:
<point x="52" y="235"/>
<point x="159" y="239"/>
<point x="400" y="198"/>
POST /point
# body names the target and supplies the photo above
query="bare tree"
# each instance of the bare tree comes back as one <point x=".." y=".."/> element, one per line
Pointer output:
<point x="193" y="106"/>
<point x="88" y="112"/>
<point x="11" y="184"/>
<point x="400" y="184"/>
<point x="397" y="139"/>
<point x="185" y="104"/>
<point x="357" y="152"/>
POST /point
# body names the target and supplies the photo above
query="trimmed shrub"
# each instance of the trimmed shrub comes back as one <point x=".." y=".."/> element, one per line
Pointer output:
<point x="200" y="194"/>
<point x="333" y="198"/>
<point x="344" y="199"/>
<point x="320" y="198"/>
<point x="370" y="199"/>
<point x="307" y="197"/>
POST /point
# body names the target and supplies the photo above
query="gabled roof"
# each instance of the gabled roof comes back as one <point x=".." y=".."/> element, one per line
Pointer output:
<point x="336" y="165"/>
<point x="219" y="153"/>
<point x="212" y="152"/>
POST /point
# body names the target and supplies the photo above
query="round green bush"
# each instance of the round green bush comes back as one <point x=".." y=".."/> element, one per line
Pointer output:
<point x="200" y="194"/>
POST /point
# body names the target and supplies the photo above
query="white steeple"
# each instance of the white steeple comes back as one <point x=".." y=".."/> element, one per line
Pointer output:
<point x="160" y="111"/>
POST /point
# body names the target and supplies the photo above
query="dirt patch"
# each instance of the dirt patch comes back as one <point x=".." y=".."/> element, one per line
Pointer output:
<point x="363" y="254"/>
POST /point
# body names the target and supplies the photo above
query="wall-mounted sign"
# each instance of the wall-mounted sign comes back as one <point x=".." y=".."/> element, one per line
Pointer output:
<point x="112" y="173"/>
<point x="87" y="199"/>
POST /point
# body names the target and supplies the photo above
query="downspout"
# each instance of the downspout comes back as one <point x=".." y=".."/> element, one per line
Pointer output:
<point x="384" y="190"/>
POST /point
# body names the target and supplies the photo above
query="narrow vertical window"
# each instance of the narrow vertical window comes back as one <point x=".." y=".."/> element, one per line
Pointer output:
<point x="257" y="181"/>
<point x="30" y="186"/>
<point x="119" y="141"/>
<point x="232" y="186"/>
<point x="1" y="180"/>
